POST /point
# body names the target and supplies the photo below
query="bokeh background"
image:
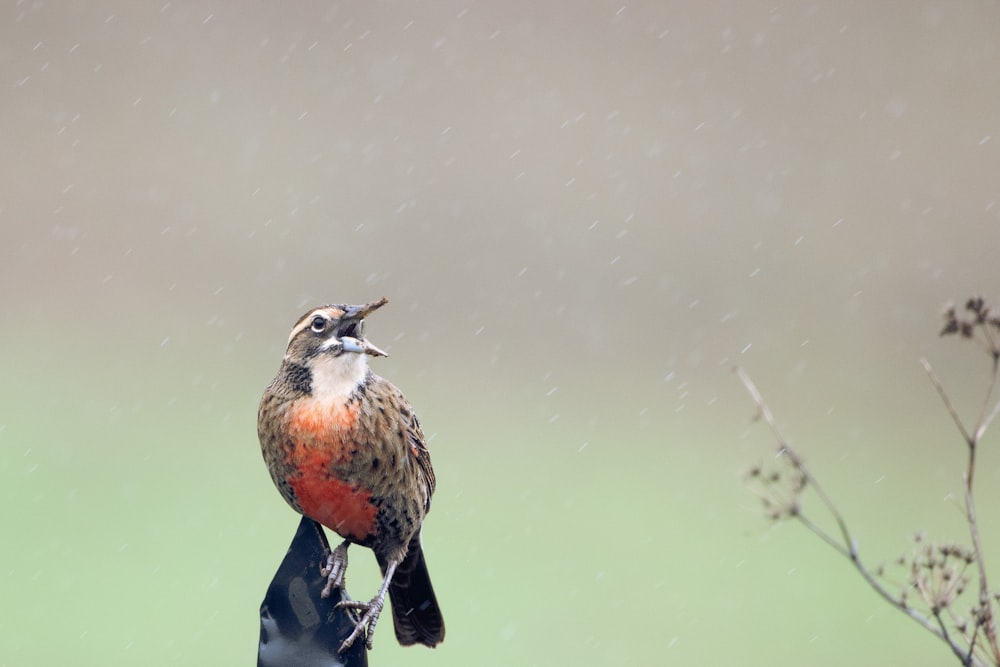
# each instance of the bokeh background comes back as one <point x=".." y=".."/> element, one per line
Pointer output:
<point x="583" y="215"/>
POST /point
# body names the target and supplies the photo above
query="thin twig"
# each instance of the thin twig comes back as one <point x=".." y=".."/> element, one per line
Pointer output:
<point x="972" y="644"/>
<point x="852" y="555"/>
<point x="947" y="401"/>
<point x="796" y="459"/>
<point x="983" y="419"/>
<point x="989" y="622"/>
<point x="826" y="537"/>
<point x="987" y="421"/>
<point x="966" y="658"/>
<point x="848" y="549"/>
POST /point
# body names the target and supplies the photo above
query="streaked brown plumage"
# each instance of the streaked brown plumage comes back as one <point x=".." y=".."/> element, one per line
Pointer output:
<point x="345" y="449"/>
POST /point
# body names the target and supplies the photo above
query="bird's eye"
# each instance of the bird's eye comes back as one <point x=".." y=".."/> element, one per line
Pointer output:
<point x="319" y="324"/>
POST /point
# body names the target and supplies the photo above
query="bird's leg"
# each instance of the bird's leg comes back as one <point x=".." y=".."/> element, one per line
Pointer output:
<point x="335" y="568"/>
<point x="371" y="610"/>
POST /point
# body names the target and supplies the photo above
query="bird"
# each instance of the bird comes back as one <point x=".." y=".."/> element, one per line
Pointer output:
<point x="345" y="449"/>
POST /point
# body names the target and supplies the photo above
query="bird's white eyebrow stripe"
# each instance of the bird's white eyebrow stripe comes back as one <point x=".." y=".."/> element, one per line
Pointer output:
<point x="305" y="322"/>
<point x="329" y="312"/>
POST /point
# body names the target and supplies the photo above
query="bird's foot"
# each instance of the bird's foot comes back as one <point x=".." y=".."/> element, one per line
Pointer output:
<point x="370" y="613"/>
<point x="334" y="570"/>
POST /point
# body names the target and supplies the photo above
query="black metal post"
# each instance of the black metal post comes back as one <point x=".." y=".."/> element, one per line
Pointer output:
<point x="298" y="628"/>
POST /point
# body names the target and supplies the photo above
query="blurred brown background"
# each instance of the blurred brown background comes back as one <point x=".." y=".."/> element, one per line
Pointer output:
<point x="583" y="216"/>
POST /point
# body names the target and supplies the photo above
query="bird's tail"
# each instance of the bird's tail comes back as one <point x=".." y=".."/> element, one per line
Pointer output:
<point x="415" y="611"/>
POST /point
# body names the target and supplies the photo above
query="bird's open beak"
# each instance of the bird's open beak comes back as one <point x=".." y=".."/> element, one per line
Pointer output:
<point x="358" y="313"/>
<point x="361" y="346"/>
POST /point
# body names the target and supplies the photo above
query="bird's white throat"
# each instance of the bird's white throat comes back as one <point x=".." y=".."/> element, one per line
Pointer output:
<point x="335" y="378"/>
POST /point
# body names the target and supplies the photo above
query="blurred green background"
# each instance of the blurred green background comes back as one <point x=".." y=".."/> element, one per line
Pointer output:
<point x="583" y="216"/>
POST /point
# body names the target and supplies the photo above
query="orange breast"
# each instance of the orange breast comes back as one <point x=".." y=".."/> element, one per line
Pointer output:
<point x="321" y="437"/>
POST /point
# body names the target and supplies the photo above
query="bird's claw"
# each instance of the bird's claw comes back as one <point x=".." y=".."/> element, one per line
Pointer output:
<point x="371" y="611"/>
<point x="334" y="570"/>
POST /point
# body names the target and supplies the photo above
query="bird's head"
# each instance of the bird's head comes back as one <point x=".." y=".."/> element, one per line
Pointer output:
<point x="329" y="341"/>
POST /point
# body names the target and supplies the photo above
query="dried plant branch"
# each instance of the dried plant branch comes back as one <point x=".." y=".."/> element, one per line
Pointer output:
<point x="972" y="644"/>
<point x="786" y="449"/>
<point x="987" y="421"/>
<point x="947" y="402"/>
<point x="988" y="620"/>
<point x="848" y="547"/>
<point x="939" y="574"/>
<point x="979" y="323"/>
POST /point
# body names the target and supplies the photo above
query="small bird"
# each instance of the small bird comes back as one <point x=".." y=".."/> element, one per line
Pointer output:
<point x="345" y="449"/>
